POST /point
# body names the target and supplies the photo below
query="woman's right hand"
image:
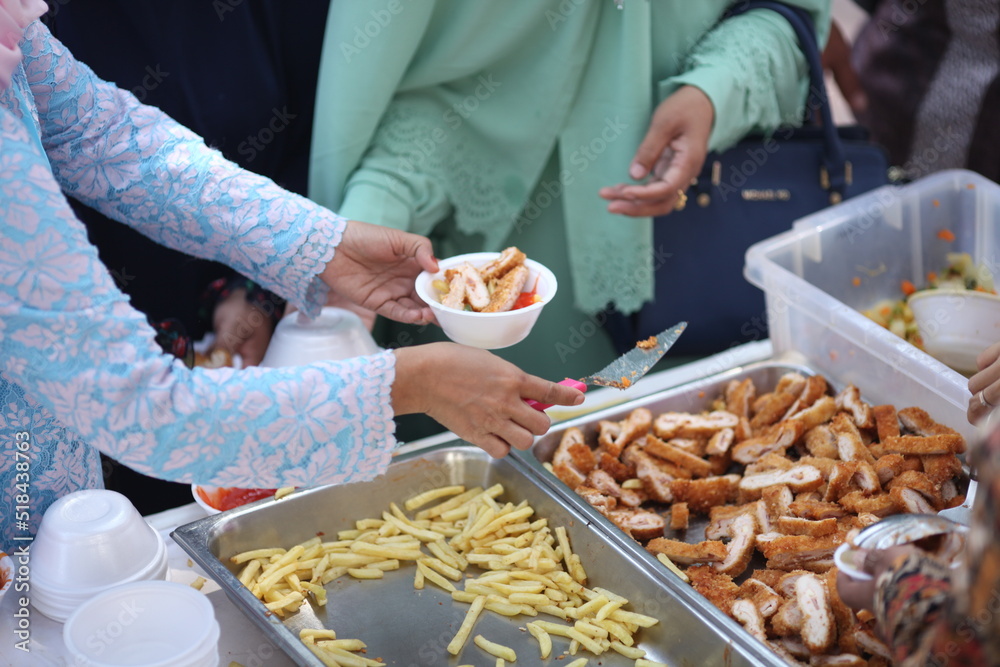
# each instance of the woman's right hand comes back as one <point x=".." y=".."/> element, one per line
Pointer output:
<point x="475" y="394"/>
<point x="985" y="385"/>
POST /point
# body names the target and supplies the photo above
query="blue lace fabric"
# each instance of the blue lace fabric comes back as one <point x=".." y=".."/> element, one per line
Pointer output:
<point x="80" y="369"/>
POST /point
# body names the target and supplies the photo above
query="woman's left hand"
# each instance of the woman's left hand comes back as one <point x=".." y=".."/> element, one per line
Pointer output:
<point x="375" y="267"/>
<point x="671" y="154"/>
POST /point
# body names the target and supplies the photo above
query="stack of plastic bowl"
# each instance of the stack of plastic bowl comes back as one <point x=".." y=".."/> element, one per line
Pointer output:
<point x="88" y="542"/>
<point x="148" y="623"/>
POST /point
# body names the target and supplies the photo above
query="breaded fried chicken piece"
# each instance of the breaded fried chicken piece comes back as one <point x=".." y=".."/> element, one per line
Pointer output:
<point x="683" y="553"/>
<point x="703" y="494"/>
<point x="507" y="291"/>
<point x="718" y="588"/>
<point x="747" y="614"/>
<point x="740" y="547"/>
<point x="640" y="524"/>
<point x="573" y="459"/>
<point x="818" y="627"/>
<point x="764" y="597"/>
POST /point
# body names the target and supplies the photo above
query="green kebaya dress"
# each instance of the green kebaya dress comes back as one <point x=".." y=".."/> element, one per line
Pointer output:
<point x="487" y="124"/>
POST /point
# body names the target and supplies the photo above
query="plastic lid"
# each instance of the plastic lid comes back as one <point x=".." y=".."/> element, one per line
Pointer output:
<point x="150" y="623"/>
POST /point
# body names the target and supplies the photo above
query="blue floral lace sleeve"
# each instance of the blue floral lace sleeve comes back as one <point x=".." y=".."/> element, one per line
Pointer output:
<point x="79" y="365"/>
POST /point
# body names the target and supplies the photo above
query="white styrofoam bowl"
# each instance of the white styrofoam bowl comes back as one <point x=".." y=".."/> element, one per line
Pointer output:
<point x="149" y="623"/>
<point x="89" y="541"/>
<point x="489" y="331"/>
<point x="956" y="325"/>
<point x="336" y="333"/>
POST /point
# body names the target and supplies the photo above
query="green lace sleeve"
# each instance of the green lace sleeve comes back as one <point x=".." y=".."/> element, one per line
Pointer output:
<point x="752" y="70"/>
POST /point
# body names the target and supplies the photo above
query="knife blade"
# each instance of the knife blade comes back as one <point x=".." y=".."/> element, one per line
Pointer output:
<point x="624" y="371"/>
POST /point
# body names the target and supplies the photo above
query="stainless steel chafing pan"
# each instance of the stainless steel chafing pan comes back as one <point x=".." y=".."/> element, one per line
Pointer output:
<point x="407" y="627"/>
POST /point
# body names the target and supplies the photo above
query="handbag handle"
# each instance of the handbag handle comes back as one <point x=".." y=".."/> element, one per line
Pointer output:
<point x="834" y="161"/>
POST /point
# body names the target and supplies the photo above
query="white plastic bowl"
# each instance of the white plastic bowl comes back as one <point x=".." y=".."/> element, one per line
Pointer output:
<point x="197" y="490"/>
<point x="956" y="325"/>
<point x="205" y="495"/>
<point x="89" y="541"/>
<point x="490" y="331"/>
<point x="148" y="623"/>
<point x="335" y="334"/>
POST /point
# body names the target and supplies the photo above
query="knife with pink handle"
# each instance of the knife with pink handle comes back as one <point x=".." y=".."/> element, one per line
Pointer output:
<point x="624" y="371"/>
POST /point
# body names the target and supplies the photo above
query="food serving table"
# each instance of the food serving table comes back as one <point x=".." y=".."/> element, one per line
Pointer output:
<point x="240" y="639"/>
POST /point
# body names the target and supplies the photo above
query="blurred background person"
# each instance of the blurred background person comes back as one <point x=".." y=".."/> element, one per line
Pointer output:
<point x="241" y="75"/>
<point x="80" y="370"/>
<point x="925" y="82"/>
<point x="486" y="125"/>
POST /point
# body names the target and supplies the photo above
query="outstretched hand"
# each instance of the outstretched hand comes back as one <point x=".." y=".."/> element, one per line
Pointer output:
<point x="475" y="394"/>
<point x="375" y="267"/>
<point x="985" y="385"/>
<point x="670" y="155"/>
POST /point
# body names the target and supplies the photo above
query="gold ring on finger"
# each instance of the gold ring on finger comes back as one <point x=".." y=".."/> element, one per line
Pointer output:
<point x="682" y="200"/>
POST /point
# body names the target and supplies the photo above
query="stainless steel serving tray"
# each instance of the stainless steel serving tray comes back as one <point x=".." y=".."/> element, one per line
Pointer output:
<point x="407" y="627"/>
<point x="694" y="396"/>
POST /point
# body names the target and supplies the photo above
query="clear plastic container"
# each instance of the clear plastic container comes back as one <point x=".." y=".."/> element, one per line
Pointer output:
<point x="881" y="238"/>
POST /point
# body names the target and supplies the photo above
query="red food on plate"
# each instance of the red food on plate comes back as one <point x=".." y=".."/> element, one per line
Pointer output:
<point x="227" y="498"/>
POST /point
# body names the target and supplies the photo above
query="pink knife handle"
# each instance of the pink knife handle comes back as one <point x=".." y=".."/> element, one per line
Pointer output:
<point x="576" y="384"/>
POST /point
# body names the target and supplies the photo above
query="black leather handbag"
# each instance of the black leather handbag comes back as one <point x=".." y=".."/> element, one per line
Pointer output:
<point x="744" y="195"/>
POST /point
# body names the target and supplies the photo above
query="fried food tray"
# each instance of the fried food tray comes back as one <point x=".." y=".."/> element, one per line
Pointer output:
<point x="694" y="396"/>
<point x="409" y="627"/>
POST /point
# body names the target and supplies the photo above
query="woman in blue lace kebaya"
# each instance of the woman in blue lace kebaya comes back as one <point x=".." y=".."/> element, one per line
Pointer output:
<point x="80" y="370"/>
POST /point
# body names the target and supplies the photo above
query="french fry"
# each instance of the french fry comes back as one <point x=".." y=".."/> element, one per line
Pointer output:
<point x="456" y="644"/>
<point x="250" y="572"/>
<point x="309" y="634"/>
<point x="284" y="601"/>
<point x="628" y="651"/>
<point x="528" y="569"/>
<point x="435" y="578"/>
<point x="323" y="655"/>
<point x="544" y="641"/>
<point x="365" y="573"/>
<point x="255" y="554"/>
<point x="494" y="649"/>
<point x="642" y="662"/>
<point x="579" y="662"/>
<point x="437" y="564"/>
<point x="283" y="491"/>
<point x="422" y="499"/>
<point x="663" y="558"/>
